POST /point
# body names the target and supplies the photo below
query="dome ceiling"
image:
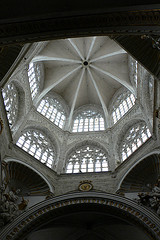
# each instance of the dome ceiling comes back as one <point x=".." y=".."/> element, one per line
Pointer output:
<point x="84" y="70"/>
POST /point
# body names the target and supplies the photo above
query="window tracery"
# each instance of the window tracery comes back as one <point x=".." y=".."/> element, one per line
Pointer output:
<point x="87" y="159"/>
<point x="88" y="120"/>
<point x="38" y="145"/>
<point x="10" y="96"/>
<point x="34" y="79"/>
<point x="52" y="109"/>
<point x="133" y="67"/>
<point x="123" y="103"/>
<point x="134" y="138"/>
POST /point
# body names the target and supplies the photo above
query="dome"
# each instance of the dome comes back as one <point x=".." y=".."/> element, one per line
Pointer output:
<point x="81" y="105"/>
<point x="84" y="71"/>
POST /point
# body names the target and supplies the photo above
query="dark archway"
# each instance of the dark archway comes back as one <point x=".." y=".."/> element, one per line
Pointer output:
<point x="95" y="214"/>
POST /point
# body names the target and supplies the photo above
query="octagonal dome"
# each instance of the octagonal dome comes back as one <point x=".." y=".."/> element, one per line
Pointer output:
<point x="84" y="71"/>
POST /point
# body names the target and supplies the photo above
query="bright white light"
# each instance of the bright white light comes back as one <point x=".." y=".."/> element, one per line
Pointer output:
<point x="87" y="159"/>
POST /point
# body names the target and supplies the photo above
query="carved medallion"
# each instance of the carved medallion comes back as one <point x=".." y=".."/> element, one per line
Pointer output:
<point x="85" y="186"/>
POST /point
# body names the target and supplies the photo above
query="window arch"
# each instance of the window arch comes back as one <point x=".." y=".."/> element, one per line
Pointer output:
<point x="38" y="145"/>
<point x="88" y="120"/>
<point x="10" y="96"/>
<point x="87" y="159"/>
<point x="134" y="138"/>
<point x="34" y="76"/>
<point x="122" y="104"/>
<point x="52" y="109"/>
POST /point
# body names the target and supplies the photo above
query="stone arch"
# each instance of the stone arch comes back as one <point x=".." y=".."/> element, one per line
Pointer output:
<point x="81" y="145"/>
<point x="116" y="99"/>
<point x="27" y="166"/>
<point x="54" y="101"/>
<point x="155" y="152"/>
<point x="50" y="209"/>
<point x="53" y="94"/>
<point x="89" y="107"/>
<point x="52" y="144"/>
<point x="38" y="70"/>
<point x="125" y="130"/>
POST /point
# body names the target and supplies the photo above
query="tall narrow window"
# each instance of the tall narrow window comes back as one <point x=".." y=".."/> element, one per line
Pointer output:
<point x="34" y="79"/>
<point x="10" y="96"/>
<point x="88" y="120"/>
<point x="38" y="145"/>
<point x="134" y="138"/>
<point x="122" y="104"/>
<point x="52" y="109"/>
<point x="87" y="159"/>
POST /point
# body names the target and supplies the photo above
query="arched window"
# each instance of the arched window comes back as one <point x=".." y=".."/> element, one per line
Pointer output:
<point x="134" y="138"/>
<point x="38" y="145"/>
<point x="34" y="78"/>
<point x="87" y="159"/>
<point x="88" y="120"/>
<point x="52" y="109"/>
<point x="10" y="96"/>
<point x="122" y="104"/>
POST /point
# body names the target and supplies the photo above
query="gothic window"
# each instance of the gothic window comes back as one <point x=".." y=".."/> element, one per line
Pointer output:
<point x="34" y="79"/>
<point x="122" y="104"/>
<point x="87" y="159"/>
<point x="52" y="109"/>
<point x="10" y="96"/>
<point x="134" y="138"/>
<point x="88" y="120"/>
<point x="38" y="145"/>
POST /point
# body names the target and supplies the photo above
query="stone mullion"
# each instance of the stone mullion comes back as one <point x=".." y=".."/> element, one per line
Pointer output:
<point x="87" y="164"/>
<point x="124" y="107"/>
<point x="88" y="124"/>
<point x="94" y="161"/>
<point x="93" y="124"/>
<point x="83" y="124"/>
<point x="127" y="102"/>
<point x="101" y="163"/>
<point x="73" y="166"/>
<point x="80" y="159"/>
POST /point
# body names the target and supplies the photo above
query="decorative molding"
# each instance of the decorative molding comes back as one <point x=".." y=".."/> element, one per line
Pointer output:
<point x="36" y="215"/>
<point x="85" y="186"/>
<point x="155" y="40"/>
<point x="131" y="22"/>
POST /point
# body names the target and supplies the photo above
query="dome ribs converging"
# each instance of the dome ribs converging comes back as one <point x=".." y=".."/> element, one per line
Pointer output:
<point x="75" y="98"/>
<point x="46" y="58"/>
<point x="84" y="71"/>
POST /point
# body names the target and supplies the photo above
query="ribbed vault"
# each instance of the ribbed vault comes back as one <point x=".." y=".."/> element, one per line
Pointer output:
<point x="93" y="67"/>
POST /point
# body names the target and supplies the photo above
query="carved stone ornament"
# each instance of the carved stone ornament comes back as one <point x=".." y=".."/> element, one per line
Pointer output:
<point x="9" y="208"/>
<point x="151" y="199"/>
<point x="85" y="186"/>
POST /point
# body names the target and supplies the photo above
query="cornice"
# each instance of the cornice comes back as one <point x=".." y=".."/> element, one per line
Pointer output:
<point x="125" y="23"/>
